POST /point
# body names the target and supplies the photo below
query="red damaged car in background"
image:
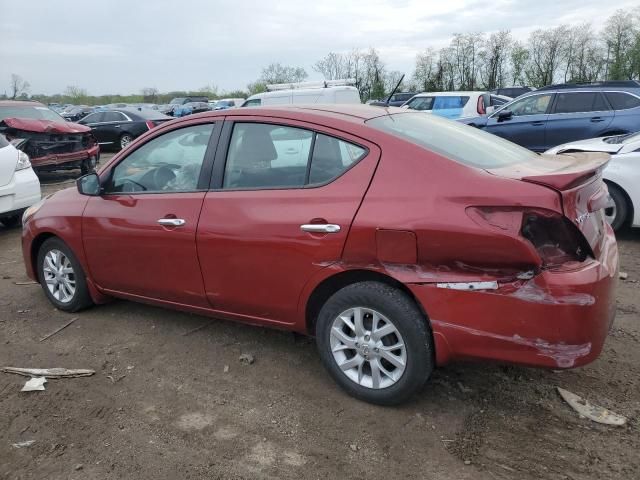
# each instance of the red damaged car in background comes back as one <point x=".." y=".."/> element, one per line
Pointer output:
<point x="402" y="241"/>
<point x="49" y="140"/>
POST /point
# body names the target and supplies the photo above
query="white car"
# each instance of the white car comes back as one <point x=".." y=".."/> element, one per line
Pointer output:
<point x="306" y="93"/>
<point x="456" y="105"/>
<point x="19" y="185"/>
<point x="622" y="174"/>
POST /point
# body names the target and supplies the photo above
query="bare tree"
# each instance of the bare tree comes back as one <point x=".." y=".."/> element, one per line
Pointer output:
<point x="425" y="72"/>
<point x="75" y="94"/>
<point x="519" y="58"/>
<point x="333" y="66"/>
<point x="545" y="55"/>
<point x="19" y="87"/>
<point x="493" y="59"/>
<point x="277" y="73"/>
<point x="619" y="36"/>
<point x="149" y="94"/>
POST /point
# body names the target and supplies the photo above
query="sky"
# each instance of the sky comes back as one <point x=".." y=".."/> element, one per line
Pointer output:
<point x="122" y="46"/>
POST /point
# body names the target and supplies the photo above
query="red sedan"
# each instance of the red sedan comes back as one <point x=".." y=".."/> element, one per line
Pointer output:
<point x="400" y="240"/>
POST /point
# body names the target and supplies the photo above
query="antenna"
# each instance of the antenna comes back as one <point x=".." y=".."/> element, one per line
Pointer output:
<point x="394" y="90"/>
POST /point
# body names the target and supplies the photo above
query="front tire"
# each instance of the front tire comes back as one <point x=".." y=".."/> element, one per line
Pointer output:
<point x="617" y="210"/>
<point x="61" y="276"/>
<point x="88" y="165"/>
<point x="375" y="343"/>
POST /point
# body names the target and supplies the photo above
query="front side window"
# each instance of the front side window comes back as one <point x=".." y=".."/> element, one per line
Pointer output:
<point x="622" y="100"/>
<point x="534" y="105"/>
<point x="168" y="163"/>
<point x="255" y="102"/>
<point x="578" y="102"/>
<point x="276" y="156"/>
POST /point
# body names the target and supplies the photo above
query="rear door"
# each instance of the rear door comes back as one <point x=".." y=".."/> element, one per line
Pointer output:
<point x="577" y="116"/>
<point x="281" y="205"/>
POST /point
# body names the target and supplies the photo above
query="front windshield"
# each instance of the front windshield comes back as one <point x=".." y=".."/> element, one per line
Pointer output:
<point x="31" y="112"/>
<point x="456" y="141"/>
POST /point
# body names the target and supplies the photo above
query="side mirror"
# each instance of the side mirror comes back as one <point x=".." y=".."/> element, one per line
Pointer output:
<point x="504" y="115"/>
<point x="89" y="184"/>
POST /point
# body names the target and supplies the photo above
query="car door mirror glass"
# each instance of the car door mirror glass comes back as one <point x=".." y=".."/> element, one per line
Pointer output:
<point x="89" y="184"/>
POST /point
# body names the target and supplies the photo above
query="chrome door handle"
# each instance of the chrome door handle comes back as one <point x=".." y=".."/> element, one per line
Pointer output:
<point x="171" y="222"/>
<point x="320" y="228"/>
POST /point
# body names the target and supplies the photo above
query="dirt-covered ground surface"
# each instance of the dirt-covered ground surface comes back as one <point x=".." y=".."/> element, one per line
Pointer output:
<point x="169" y="404"/>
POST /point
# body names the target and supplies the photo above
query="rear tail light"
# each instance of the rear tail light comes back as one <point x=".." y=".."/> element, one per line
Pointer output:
<point x="554" y="237"/>
<point x="481" y="107"/>
<point x="150" y="124"/>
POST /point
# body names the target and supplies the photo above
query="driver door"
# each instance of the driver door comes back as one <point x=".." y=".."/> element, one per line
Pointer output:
<point x="139" y="235"/>
<point x="527" y="124"/>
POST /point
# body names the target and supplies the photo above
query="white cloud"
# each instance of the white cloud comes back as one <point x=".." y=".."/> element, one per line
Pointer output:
<point x="121" y="46"/>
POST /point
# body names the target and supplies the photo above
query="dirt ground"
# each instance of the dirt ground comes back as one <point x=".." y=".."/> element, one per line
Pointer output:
<point x="169" y="404"/>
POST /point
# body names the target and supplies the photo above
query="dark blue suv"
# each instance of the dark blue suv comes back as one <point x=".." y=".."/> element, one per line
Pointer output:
<point x="564" y="113"/>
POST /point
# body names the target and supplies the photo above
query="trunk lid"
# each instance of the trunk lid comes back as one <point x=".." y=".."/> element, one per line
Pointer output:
<point x="577" y="177"/>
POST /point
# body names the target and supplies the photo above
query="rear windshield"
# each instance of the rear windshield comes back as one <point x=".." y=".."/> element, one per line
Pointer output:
<point x="147" y="113"/>
<point x="456" y="141"/>
<point x="35" y="113"/>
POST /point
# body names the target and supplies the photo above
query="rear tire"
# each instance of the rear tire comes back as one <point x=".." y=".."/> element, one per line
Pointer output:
<point x="617" y="212"/>
<point x="125" y="139"/>
<point x="11" y="221"/>
<point x="61" y="276"/>
<point x="365" y="364"/>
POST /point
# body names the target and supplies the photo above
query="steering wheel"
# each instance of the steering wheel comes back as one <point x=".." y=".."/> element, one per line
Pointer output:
<point x="158" y="177"/>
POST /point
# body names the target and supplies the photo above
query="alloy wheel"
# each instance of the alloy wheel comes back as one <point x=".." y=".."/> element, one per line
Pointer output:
<point x="59" y="276"/>
<point x="368" y="348"/>
<point x="125" y="140"/>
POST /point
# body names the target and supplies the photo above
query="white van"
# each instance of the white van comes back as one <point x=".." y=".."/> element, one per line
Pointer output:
<point x="304" y="93"/>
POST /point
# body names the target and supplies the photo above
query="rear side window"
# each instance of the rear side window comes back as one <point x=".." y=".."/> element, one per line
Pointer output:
<point x="93" y="118"/>
<point x="421" y="103"/>
<point x="464" y="144"/>
<point x="113" y="117"/>
<point x="622" y="100"/>
<point x="274" y="156"/>
<point x="577" y="102"/>
<point x="331" y="157"/>
<point x="448" y="103"/>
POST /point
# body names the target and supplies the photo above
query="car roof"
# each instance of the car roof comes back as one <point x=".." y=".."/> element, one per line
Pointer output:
<point x="319" y="113"/>
<point x="450" y="94"/>
<point x="21" y="103"/>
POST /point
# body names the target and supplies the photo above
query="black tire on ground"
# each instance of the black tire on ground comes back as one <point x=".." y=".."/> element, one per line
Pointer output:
<point x="81" y="298"/>
<point x="405" y="315"/>
<point x="622" y="207"/>
<point x="88" y="165"/>
<point x="12" y="220"/>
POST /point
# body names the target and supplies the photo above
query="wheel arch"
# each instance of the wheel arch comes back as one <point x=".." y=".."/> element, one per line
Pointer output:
<point x="36" y="243"/>
<point x="631" y="211"/>
<point x="327" y="287"/>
